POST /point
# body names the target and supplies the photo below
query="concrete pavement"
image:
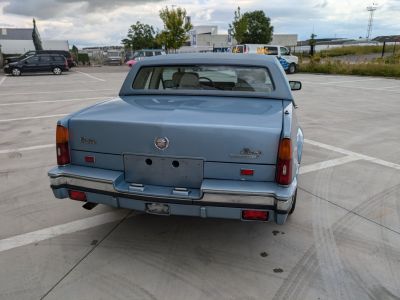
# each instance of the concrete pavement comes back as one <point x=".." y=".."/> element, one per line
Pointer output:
<point x="342" y="242"/>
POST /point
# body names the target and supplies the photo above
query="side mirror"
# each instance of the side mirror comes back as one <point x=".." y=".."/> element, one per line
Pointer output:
<point x="295" y="85"/>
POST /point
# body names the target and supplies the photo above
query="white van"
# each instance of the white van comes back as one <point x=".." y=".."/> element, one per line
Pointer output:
<point x="276" y="50"/>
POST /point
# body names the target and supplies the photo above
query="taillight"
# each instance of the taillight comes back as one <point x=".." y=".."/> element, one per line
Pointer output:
<point x="284" y="165"/>
<point x="256" y="215"/>
<point x="77" y="195"/>
<point x="62" y="147"/>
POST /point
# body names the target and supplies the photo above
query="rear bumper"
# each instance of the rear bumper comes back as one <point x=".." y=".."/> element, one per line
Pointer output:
<point x="215" y="198"/>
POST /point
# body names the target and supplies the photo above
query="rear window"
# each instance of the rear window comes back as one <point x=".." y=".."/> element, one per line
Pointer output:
<point x="204" y="77"/>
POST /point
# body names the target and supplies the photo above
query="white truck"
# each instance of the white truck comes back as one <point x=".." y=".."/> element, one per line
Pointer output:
<point x="278" y="51"/>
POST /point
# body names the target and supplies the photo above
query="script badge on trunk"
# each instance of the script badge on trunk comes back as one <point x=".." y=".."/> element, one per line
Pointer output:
<point x="161" y="143"/>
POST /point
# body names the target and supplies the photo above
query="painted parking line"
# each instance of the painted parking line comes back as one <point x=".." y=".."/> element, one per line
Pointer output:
<point x="57" y="230"/>
<point x="2" y="80"/>
<point x="33" y="118"/>
<point x="328" y="164"/>
<point x="59" y="92"/>
<point x="341" y="81"/>
<point x="51" y="101"/>
<point x="391" y="89"/>
<point x="90" y="76"/>
<point x="354" y="154"/>
<point x="6" y="151"/>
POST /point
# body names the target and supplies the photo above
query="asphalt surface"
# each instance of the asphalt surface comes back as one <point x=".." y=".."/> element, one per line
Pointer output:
<point x="342" y="242"/>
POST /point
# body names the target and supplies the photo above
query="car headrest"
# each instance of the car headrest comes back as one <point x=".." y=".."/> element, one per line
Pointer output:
<point x="189" y="80"/>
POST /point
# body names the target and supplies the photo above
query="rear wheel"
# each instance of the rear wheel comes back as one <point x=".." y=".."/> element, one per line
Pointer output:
<point x="57" y="71"/>
<point x="294" y="203"/>
<point x="292" y="68"/>
<point x="16" y="72"/>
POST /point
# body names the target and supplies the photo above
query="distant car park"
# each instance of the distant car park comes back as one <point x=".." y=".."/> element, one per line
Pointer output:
<point x="142" y="54"/>
<point x="36" y="63"/>
<point x="288" y="61"/>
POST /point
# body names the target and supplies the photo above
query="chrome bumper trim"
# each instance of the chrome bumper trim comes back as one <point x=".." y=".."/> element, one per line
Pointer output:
<point x="209" y="195"/>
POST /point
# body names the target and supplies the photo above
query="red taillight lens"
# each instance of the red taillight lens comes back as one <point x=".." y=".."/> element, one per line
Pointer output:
<point x="77" y="195"/>
<point x="259" y="215"/>
<point x="247" y="172"/>
<point x="89" y="159"/>
<point x="62" y="137"/>
<point x="284" y="165"/>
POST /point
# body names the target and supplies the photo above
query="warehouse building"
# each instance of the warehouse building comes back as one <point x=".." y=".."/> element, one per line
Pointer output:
<point x="19" y="41"/>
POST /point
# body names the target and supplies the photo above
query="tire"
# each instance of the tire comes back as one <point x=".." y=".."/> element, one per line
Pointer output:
<point x="294" y="203"/>
<point x="57" y="71"/>
<point x="16" y="72"/>
<point x="292" y="68"/>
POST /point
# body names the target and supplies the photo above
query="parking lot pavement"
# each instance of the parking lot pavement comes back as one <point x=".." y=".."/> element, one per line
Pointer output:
<point x="342" y="242"/>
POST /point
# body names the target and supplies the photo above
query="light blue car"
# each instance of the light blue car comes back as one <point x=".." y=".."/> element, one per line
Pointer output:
<point x="205" y="135"/>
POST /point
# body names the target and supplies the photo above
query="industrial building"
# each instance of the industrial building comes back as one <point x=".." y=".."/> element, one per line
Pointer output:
<point x="19" y="41"/>
<point x="205" y="38"/>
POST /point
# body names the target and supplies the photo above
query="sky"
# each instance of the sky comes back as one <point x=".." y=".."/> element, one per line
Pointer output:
<point x="106" y="22"/>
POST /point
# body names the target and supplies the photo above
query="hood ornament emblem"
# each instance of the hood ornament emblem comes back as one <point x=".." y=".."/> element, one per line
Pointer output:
<point x="161" y="143"/>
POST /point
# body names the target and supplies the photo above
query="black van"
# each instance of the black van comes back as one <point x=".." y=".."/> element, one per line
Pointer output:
<point x="55" y="63"/>
<point x="64" y="53"/>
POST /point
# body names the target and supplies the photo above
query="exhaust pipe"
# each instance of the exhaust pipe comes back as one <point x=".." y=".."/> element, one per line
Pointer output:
<point x="89" y="205"/>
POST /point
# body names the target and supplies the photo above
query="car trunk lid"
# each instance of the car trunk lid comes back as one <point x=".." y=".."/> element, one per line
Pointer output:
<point x="213" y="129"/>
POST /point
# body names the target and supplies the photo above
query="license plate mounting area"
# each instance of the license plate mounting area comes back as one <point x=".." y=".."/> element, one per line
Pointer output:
<point x="163" y="171"/>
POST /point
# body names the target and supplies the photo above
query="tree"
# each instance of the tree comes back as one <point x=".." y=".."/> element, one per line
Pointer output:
<point x="238" y="26"/>
<point x="259" y="29"/>
<point x="252" y="27"/>
<point x="74" y="51"/>
<point x="139" y="36"/>
<point x="176" y="28"/>
<point x="312" y="42"/>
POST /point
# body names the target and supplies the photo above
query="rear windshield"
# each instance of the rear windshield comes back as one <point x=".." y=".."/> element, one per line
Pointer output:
<point x="204" y="77"/>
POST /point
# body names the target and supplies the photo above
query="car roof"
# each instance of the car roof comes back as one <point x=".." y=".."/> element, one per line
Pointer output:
<point x="281" y="91"/>
<point x="48" y="54"/>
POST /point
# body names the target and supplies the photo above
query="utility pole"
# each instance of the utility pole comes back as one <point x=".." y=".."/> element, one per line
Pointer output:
<point x="371" y="10"/>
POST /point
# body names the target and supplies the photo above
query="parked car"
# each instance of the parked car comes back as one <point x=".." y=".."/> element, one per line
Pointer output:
<point x="290" y="61"/>
<point x="36" y="63"/>
<point x="131" y="62"/>
<point x="66" y="54"/>
<point x="206" y="135"/>
<point x="113" y="58"/>
<point x="142" y="54"/>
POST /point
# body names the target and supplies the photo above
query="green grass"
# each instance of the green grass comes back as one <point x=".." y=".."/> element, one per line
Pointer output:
<point x="356" y="50"/>
<point x="363" y="69"/>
